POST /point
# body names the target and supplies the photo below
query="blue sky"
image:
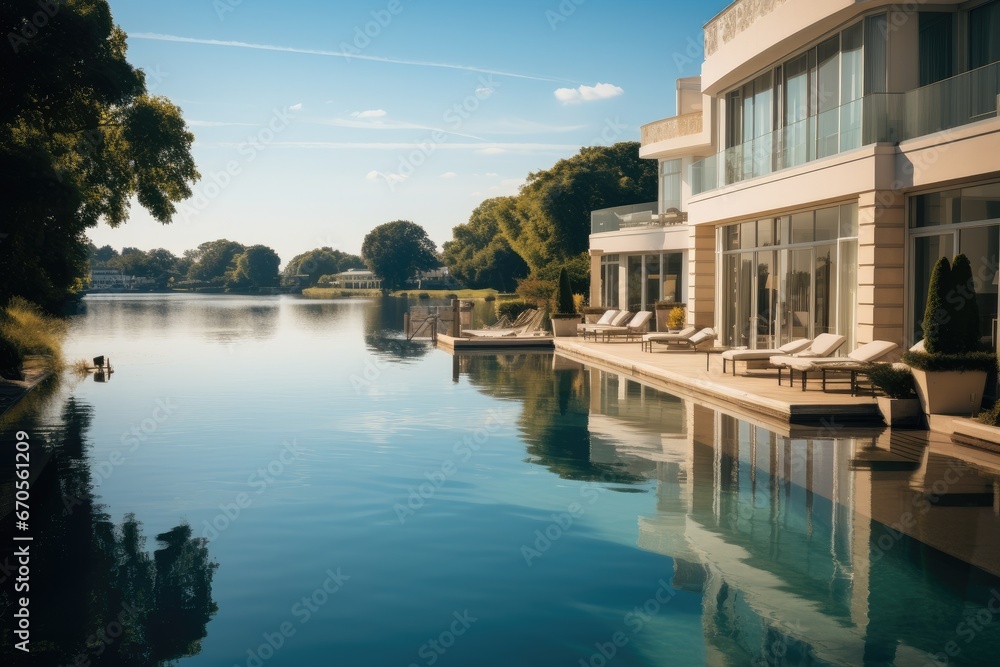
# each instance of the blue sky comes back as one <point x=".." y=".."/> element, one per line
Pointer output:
<point x="317" y="121"/>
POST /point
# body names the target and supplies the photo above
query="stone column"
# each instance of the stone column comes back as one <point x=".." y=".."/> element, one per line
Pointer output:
<point x="595" y="277"/>
<point x="701" y="276"/>
<point x="881" y="274"/>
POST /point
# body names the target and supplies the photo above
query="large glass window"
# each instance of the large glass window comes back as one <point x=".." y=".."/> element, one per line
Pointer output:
<point x="610" y="281"/>
<point x="967" y="221"/>
<point x="670" y="185"/>
<point x="635" y="283"/>
<point x="795" y="277"/>
<point x="654" y="282"/>
<point x="936" y="47"/>
<point x="984" y="35"/>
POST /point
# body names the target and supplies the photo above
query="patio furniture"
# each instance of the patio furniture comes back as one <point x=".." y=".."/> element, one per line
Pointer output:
<point x="604" y="321"/>
<point x="682" y="335"/>
<point x="530" y="329"/>
<point x="824" y="345"/>
<point x="858" y="362"/>
<point x="747" y="356"/>
<point x="690" y="342"/>
<point x="619" y="320"/>
<point x="633" y="328"/>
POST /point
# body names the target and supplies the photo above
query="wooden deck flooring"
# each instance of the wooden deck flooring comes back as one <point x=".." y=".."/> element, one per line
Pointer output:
<point x="755" y="392"/>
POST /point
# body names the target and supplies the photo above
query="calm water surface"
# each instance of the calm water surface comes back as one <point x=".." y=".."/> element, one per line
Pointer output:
<point x="368" y="501"/>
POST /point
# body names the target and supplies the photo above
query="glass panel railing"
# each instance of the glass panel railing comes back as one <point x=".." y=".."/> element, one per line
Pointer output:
<point x="876" y="118"/>
<point x="613" y="219"/>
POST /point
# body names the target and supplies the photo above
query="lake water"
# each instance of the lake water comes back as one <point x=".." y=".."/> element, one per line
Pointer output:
<point x="326" y="493"/>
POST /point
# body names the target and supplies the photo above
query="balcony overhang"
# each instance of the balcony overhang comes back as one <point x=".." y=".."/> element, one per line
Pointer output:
<point x="680" y="136"/>
<point x="751" y="35"/>
<point x="836" y="178"/>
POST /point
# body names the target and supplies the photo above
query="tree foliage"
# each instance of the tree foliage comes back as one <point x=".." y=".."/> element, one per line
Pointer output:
<point x="564" y="294"/>
<point x="480" y="255"/>
<point x="937" y="318"/>
<point x="321" y="262"/>
<point x="256" y="267"/>
<point x="547" y="224"/>
<point x="397" y="250"/>
<point x="214" y="259"/>
<point x="965" y="308"/>
<point x="79" y="138"/>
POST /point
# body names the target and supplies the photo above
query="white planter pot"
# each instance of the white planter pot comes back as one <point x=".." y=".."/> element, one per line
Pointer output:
<point x="950" y="392"/>
<point x="900" y="411"/>
<point x="565" y="327"/>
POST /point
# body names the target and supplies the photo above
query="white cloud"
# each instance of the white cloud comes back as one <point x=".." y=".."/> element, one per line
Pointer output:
<point x="449" y="174"/>
<point x="493" y="150"/>
<point x="492" y="173"/>
<point x="601" y="91"/>
<point x="484" y="92"/>
<point x="370" y="113"/>
<point x="216" y="123"/>
<point x="390" y="178"/>
<point x="296" y="107"/>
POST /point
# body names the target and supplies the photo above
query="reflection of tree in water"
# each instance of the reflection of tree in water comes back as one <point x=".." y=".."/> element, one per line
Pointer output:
<point x="554" y="417"/>
<point x="383" y="327"/>
<point x="96" y="595"/>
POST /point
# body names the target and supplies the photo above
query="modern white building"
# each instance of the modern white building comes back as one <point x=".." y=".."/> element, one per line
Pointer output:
<point x="829" y="154"/>
<point x="357" y="279"/>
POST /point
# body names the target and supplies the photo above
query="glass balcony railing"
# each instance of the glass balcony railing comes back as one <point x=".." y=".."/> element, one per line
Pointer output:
<point x="613" y="219"/>
<point x="883" y="117"/>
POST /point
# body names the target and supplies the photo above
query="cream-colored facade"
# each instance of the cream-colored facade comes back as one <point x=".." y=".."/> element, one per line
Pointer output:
<point x="830" y="152"/>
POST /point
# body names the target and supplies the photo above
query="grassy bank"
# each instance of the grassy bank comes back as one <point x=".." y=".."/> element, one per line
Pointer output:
<point x="444" y="293"/>
<point x="25" y="331"/>
<point x="337" y="293"/>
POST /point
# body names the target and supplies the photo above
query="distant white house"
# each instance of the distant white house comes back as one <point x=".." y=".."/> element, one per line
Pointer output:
<point x="115" y="280"/>
<point x="356" y="279"/>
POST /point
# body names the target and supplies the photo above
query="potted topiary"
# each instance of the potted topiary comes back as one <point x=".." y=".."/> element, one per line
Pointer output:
<point x="899" y="404"/>
<point x="565" y="318"/>
<point x="950" y="371"/>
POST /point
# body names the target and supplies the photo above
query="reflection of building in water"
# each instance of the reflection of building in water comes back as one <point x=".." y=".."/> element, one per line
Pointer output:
<point x="777" y="532"/>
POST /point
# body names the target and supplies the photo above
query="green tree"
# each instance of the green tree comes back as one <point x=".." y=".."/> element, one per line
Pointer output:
<point x="257" y="267"/>
<point x="480" y="255"/>
<point x="79" y="139"/>
<point x="321" y="262"/>
<point x="552" y="221"/>
<point x="965" y="307"/>
<point x="396" y="250"/>
<point x="102" y="256"/>
<point x="564" y="294"/>
<point x="213" y="259"/>
<point x="937" y="318"/>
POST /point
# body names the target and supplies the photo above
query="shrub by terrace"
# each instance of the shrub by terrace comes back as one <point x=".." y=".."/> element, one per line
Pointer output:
<point x="512" y="309"/>
<point x="894" y="382"/>
<point x="951" y="323"/>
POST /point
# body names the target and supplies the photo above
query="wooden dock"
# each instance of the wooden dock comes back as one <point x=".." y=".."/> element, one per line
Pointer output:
<point x="505" y="343"/>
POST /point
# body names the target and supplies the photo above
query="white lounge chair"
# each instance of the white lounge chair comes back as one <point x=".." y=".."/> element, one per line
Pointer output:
<point x="747" y="356"/>
<point x="667" y="338"/>
<point x="604" y="321"/>
<point x="682" y="339"/>
<point x="633" y="328"/>
<point x="530" y="329"/>
<point x="619" y="320"/>
<point x="858" y="362"/>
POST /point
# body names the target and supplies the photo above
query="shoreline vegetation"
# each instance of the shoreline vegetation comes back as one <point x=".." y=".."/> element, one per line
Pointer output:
<point x="30" y="354"/>
<point x="338" y="292"/>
